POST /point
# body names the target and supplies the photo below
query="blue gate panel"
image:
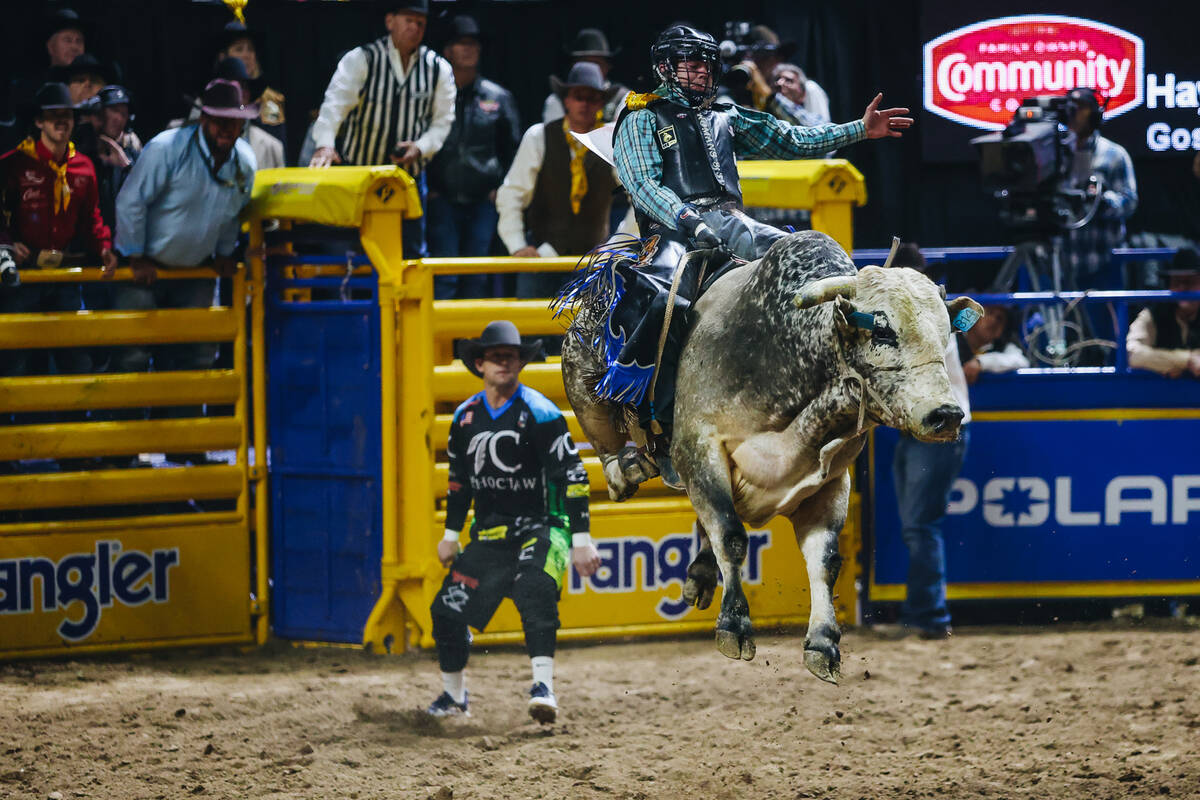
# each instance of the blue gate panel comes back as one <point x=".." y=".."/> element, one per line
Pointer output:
<point x="325" y="436"/>
<point x="1060" y="501"/>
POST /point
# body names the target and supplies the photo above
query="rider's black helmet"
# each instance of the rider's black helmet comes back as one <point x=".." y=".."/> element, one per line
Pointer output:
<point x="681" y="44"/>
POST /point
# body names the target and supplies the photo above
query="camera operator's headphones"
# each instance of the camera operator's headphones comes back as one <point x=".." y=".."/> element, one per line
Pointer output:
<point x="1086" y="97"/>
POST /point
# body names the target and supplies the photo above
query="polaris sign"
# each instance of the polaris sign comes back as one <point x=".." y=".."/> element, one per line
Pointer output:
<point x="1059" y="501"/>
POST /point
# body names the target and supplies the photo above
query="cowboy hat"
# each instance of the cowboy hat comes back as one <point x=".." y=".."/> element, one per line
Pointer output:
<point x="499" y="333"/>
<point x="591" y="43"/>
<point x="224" y="98"/>
<point x="1185" y="262"/>
<point x="587" y="75"/>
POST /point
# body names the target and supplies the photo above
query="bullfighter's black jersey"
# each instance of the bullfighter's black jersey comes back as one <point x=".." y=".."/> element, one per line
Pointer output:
<point x="518" y="464"/>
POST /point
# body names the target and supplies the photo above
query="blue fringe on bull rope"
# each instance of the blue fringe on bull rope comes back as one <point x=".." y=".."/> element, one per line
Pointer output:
<point x="593" y="295"/>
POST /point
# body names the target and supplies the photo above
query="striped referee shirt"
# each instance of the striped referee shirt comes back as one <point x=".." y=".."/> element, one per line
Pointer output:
<point x="373" y="103"/>
<point x="755" y="133"/>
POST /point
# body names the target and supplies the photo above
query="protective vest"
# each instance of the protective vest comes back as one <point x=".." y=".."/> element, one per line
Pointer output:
<point x="697" y="153"/>
<point x="549" y="217"/>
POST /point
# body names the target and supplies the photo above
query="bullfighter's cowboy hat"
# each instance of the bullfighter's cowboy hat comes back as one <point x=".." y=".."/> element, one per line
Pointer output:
<point x="587" y="75"/>
<point x="499" y="333"/>
<point x="225" y="98"/>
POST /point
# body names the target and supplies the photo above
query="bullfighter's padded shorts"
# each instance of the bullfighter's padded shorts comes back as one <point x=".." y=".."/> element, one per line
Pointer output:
<point x="523" y="569"/>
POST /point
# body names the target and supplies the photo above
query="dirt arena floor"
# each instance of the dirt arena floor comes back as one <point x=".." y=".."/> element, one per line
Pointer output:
<point x="1086" y="711"/>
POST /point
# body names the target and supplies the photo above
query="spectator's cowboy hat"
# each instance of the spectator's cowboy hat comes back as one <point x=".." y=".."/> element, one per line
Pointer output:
<point x="52" y="95"/>
<point x="1185" y="262"/>
<point x="591" y="43"/>
<point x="233" y="31"/>
<point x="411" y="7"/>
<point x="84" y="64"/>
<point x="463" y="27"/>
<point x="587" y="75"/>
<point x="65" y="19"/>
<point x="224" y="98"/>
<point x="500" y="333"/>
<point x="764" y="40"/>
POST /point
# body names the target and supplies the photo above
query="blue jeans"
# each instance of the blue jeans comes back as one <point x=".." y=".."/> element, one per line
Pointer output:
<point x="412" y="231"/>
<point x="924" y="473"/>
<point x="460" y="229"/>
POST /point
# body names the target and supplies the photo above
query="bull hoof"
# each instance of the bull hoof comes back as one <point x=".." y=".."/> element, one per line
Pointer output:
<point x="618" y="488"/>
<point x="821" y="654"/>
<point x="825" y="666"/>
<point x="736" y="646"/>
<point x="701" y="581"/>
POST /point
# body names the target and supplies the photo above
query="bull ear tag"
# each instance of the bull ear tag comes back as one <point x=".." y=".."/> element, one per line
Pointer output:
<point x="861" y="319"/>
<point x="965" y="319"/>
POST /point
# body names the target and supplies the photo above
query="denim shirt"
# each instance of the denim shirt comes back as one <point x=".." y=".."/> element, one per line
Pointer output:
<point x="173" y="209"/>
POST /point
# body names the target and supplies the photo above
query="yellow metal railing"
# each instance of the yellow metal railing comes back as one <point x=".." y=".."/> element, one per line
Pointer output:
<point x="100" y="519"/>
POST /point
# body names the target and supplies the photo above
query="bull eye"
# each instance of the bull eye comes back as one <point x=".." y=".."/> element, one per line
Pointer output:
<point x="883" y="332"/>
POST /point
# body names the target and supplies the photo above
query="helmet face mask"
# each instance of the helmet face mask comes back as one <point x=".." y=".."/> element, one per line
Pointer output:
<point x="688" y="61"/>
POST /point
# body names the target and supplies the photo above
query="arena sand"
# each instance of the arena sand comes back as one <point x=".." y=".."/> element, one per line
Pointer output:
<point x="1066" y="712"/>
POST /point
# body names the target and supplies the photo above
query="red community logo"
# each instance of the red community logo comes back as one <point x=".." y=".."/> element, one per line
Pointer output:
<point x="978" y="74"/>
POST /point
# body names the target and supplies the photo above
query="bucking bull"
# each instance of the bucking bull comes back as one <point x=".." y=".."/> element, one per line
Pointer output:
<point x="790" y="362"/>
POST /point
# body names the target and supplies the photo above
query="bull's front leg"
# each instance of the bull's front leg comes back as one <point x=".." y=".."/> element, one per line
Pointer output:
<point x="818" y="521"/>
<point x="702" y="462"/>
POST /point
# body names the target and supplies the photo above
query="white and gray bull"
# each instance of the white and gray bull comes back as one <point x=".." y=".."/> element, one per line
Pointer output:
<point x="780" y="380"/>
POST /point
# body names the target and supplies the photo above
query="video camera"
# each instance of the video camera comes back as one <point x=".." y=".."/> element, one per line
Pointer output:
<point x="1032" y="168"/>
<point x="736" y="47"/>
<point x="10" y="276"/>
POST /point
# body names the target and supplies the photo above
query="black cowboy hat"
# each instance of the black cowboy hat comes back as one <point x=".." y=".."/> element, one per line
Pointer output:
<point x="52" y="95"/>
<point x="463" y="26"/>
<point x="84" y="64"/>
<point x="65" y="19"/>
<point x="411" y="6"/>
<point x="764" y="40"/>
<point x="1185" y="262"/>
<point x="499" y="333"/>
<point x="591" y="42"/>
<point x="235" y="30"/>
<point x="584" y="74"/>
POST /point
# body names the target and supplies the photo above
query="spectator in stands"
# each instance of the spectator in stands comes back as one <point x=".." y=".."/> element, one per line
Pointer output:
<point x="990" y="345"/>
<point x="389" y="102"/>
<point x="179" y="208"/>
<point x="558" y="193"/>
<point x="117" y="148"/>
<point x="84" y="77"/>
<point x="787" y="100"/>
<point x="769" y="52"/>
<point x="246" y="45"/>
<point x="1087" y="251"/>
<point x="923" y="473"/>
<point x="464" y="175"/>
<point x="589" y="46"/>
<point x="50" y="202"/>
<point x="66" y="37"/>
<point x="1165" y="337"/>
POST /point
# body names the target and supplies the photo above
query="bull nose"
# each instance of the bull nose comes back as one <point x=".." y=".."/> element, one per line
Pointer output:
<point x="943" y="417"/>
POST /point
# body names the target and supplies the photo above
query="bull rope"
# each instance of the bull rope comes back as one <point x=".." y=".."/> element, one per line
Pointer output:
<point x="655" y="426"/>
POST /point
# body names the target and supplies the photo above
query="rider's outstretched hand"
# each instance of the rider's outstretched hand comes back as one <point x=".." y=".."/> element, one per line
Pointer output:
<point x="885" y="122"/>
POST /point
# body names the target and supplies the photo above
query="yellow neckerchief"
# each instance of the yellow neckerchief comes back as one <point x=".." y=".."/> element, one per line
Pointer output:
<point x="62" y="190"/>
<point x="578" y="149"/>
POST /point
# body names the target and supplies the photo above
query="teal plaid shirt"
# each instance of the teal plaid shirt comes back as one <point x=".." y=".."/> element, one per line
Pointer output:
<point x="755" y="134"/>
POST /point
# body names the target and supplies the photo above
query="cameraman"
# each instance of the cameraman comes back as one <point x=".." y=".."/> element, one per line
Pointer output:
<point x="1087" y="251"/>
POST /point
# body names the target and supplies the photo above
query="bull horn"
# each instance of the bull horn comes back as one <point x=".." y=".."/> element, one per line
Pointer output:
<point x="826" y="289"/>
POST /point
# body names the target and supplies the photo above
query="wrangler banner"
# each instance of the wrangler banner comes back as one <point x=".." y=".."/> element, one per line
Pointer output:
<point x="140" y="588"/>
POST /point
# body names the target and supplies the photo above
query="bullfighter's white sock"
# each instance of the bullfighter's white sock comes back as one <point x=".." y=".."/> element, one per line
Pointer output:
<point x="543" y="671"/>
<point x="455" y="684"/>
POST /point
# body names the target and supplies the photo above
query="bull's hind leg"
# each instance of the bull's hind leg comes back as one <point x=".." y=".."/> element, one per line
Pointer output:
<point x="624" y="466"/>
<point x="702" y="575"/>
<point x="709" y="488"/>
<point x="817" y="522"/>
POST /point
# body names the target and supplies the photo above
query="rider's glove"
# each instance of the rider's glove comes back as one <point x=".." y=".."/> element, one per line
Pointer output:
<point x="691" y="223"/>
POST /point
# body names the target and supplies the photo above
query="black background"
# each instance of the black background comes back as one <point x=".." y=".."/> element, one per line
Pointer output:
<point x="852" y="48"/>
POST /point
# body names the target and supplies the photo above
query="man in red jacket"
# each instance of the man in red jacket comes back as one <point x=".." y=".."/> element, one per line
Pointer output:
<point x="49" y="212"/>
